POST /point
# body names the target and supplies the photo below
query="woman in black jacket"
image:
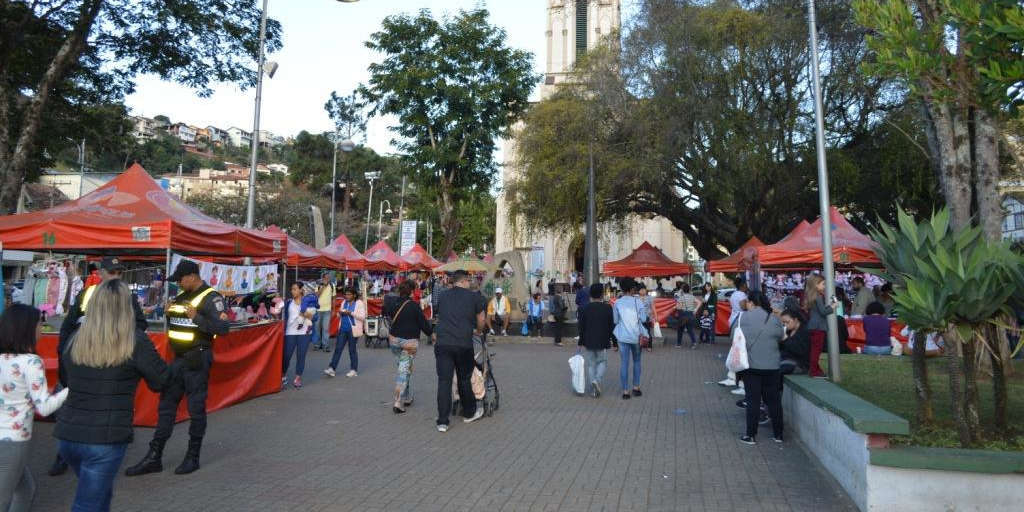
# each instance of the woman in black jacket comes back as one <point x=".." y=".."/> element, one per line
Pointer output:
<point x="597" y="321"/>
<point x="795" y="347"/>
<point x="407" y="322"/>
<point x="103" y="363"/>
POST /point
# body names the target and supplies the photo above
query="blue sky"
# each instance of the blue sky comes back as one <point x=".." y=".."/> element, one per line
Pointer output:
<point x="323" y="51"/>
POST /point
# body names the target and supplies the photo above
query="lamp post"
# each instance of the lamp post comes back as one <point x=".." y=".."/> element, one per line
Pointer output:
<point x="347" y="146"/>
<point x="590" y="267"/>
<point x="373" y="175"/>
<point x="823" y="199"/>
<point x="380" y="215"/>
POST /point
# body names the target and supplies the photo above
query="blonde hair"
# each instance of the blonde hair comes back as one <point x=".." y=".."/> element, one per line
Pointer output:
<point x="107" y="336"/>
<point x="811" y="290"/>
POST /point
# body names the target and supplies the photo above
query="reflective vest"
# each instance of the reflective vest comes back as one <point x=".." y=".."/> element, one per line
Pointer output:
<point x="182" y="333"/>
<point x="85" y="298"/>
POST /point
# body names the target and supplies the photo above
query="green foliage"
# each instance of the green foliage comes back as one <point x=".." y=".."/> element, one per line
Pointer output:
<point x="279" y="204"/>
<point x="348" y="114"/>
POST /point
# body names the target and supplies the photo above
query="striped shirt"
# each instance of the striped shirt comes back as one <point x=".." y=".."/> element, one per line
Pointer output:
<point x="686" y="302"/>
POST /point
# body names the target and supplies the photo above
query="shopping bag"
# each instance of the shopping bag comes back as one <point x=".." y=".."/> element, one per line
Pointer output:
<point x="656" y="331"/>
<point x="579" y="380"/>
<point x="737" y="360"/>
<point x="526" y="328"/>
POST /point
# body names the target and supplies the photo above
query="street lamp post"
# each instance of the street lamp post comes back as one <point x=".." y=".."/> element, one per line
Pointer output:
<point x="823" y="199"/>
<point x="380" y="215"/>
<point x="346" y="145"/>
<point x="590" y="268"/>
<point x="369" y="207"/>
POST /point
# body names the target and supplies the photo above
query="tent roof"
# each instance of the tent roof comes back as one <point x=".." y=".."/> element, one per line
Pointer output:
<point x="302" y="255"/>
<point x="343" y="250"/>
<point x="380" y="257"/>
<point x="802" y="246"/>
<point x="419" y="259"/>
<point x="646" y="261"/>
<point x="733" y="262"/>
<point x="133" y="214"/>
<point x="452" y="256"/>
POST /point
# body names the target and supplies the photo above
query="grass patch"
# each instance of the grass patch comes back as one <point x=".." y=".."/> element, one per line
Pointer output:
<point x="887" y="382"/>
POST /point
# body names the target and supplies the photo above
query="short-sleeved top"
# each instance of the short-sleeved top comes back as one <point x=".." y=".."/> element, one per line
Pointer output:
<point x="456" y="314"/>
<point x="687" y="302"/>
<point x="877" y="330"/>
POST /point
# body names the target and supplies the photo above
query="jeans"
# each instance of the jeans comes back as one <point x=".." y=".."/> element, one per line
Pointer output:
<point x="877" y="351"/>
<point x="346" y="338"/>
<point x="706" y="335"/>
<point x="535" y="325"/>
<point x="454" y="361"/>
<point x="403" y="364"/>
<point x="597" y="361"/>
<point x="17" y="488"/>
<point x="686" y="321"/>
<point x="96" y="466"/>
<point x="629" y="351"/>
<point x="766" y="383"/>
<point x="299" y="344"/>
<point x="322" y="329"/>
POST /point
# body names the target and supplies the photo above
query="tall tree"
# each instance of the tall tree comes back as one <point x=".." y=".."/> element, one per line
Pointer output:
<point x="349" y="116"/>
<point x="455" y="87"/>
<point x="56" y="51"/>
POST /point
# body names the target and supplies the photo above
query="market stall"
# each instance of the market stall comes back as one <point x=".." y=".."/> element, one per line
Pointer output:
<point x="802" y="247"/>
<point x="342" y="250"/>
<point x="381" y="257"/>
<point x="133" y="216"/>
<point x="417" y="258"/>
<point x="646" y="261"/>
<point x="734" y="261"/>
<point x="303" y="256"/>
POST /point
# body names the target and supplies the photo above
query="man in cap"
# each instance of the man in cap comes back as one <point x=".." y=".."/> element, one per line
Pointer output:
<point x="460" y="316"/>
<point x="195" y="317"/>
<point x="110" y="268"/>
<point x="497" y="312"/>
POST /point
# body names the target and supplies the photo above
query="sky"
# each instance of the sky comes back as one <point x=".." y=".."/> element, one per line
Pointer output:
<point x="323" y="52"/>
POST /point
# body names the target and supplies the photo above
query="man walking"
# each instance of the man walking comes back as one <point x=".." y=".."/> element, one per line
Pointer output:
<point x="460" y="316"/>
<point x="686" y="306"/>
<point x="597" y="321"/>
<point x="556" y="304"/>
<point x="194" y="319"/>
<point x="582" y="298"/>
<point x="322" y="327"/>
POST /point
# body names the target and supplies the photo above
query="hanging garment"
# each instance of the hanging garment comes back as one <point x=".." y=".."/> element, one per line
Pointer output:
<point x="76" y="287"/>
<point x="62" y="290"/>
<point x="39" y="293"/>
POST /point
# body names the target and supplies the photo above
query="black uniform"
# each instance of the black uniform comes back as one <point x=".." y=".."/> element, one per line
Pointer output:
<point x="191" y="365"/>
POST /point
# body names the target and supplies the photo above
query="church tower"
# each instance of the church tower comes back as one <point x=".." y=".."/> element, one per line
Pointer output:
<point x="575" y="26"/>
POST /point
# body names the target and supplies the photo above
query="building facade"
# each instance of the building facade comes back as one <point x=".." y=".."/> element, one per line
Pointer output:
<point x="239" y="137"/>
<point x="573" y="27"/>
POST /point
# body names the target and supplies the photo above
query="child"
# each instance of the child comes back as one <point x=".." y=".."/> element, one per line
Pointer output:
<point x="707" y="335"/>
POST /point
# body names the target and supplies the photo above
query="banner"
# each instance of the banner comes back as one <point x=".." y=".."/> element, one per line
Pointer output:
<point x="408" y="238"/>
<point x="233" y="279"/>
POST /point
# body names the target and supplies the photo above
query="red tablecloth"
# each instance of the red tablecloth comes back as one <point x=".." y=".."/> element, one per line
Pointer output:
<point x="854" y="326"/>
<point x="246" y="364"/>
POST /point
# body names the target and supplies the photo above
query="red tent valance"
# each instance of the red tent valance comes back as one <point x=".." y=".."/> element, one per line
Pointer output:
<point x="133" y="214"/>
<point x="646" y="261"/>
<point x="419" y="259"/>
<point x="734" y="261"/>
<point x="302" y="255"/>
<point x="342" y="250"/>
<point x="802" y="247"/>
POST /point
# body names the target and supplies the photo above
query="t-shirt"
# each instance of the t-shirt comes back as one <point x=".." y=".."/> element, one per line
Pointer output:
<point x="296" y="322"/>
<point x="456" y="316"/>
<point x="325" y="297"/>
<point x="687" y="302"/>
<point x="877" y="330"/>
<point x="736" y="301"/>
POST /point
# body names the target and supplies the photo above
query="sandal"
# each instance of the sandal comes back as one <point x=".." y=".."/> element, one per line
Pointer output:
<point x="397" y="410"/>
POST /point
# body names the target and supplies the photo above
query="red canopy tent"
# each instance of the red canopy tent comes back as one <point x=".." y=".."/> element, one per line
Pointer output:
<point x="302" y="255"/>
<point x="452" y="256"/>
<point x="342" y="250"/>
<point x="646" y="261"/>
<point x="802" y="247"/>
<point x="380" y="257"/>
<point x="132" y="213"/>
<point x="419" y="259"/>
<point x="733" y="262"/>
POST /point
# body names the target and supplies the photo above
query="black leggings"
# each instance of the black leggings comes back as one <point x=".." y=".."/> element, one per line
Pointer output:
<point x="766" y="383"/>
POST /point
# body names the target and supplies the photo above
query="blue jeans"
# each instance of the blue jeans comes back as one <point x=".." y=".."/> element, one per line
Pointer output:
<point x="686" y="321"/>
<point x="877" y="351"/>
<point x="322" y="329"/>
<point x="96" y="466"/>
<point x="629" y="351"/>
<point x="299" y="344"/>
<point x="346" y="338"/>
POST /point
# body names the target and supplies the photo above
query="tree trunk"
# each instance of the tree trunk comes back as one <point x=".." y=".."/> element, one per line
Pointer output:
<point x="956" y="400"/>
<point x="971" y="398"/>
<point x="450" y="224"/>
<point x="925" y="414"/>
<point x="986" y="174"/>
<point x="999" y="389"/>
<point x="954" y="161"/>
<point x="12" y="168"/>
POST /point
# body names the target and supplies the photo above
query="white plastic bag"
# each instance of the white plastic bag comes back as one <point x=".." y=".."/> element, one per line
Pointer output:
<point x="737" y="360"/>
<point x="579" y="379"/>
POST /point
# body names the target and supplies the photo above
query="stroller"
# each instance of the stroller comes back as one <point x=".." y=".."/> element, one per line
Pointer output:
<point x="485" y="388"/>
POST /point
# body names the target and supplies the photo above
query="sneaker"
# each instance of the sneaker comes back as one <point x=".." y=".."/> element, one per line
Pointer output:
<point x="597" y="390"/>
<point x="329" y="372"/>
<point x="490" y="331"/>
<point x="739" y="391"/>
<point x="297" y="382"/>
<point x="352" y="373"/>
<point x="442" y="428"/>
<point x="284" y="382"/>
<point x="477" y="415"/>
<point x="504" y="333"/>
<point x="747" y="440"/>
<point x="637" y="392"/>
<point x="764" y="419"/>
<point x="777" y="439"/>
<point x="625" y="396"/>
<point x="693" y="346"/>
<point x="725" y="382"/>
<point x="742" y="403"/>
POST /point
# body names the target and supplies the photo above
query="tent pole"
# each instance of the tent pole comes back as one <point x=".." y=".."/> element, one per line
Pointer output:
<point x="167" y="287"/>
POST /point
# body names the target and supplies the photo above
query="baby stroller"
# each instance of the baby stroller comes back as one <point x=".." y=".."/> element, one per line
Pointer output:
<point x="485" y="388"/>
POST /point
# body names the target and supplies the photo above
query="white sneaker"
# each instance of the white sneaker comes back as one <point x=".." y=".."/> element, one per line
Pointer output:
<point x="491" y="331"/>
<point x="442" y="428"/>
<point x="329" y="372"/>
<point x="504" y="333"/>
<point x="727" y="383"/>
<point x="477" y="415"/>
<point x="739" y="391"/>
<point x="351" y="373"/>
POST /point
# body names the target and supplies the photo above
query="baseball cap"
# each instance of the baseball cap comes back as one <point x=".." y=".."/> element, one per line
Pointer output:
<point x="184" y="268"/>
<point x="497" y="290"/>
<point x="111" y="264"/>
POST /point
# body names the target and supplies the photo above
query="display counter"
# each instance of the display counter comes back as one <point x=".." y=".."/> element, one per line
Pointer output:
<point x="246" y="364"/>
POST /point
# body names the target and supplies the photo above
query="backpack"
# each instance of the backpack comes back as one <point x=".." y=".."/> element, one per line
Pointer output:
<point x="557" y="305"/>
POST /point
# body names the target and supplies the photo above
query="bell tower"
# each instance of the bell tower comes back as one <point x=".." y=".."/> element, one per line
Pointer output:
<point x="573" y="27"/>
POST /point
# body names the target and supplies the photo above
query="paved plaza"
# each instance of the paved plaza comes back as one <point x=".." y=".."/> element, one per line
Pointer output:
<point x="335" y="445"/>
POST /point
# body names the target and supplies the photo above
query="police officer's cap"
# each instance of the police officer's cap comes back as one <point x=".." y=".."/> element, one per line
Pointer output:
<point x="184" y="268"/>
<point x="111" y="264"/>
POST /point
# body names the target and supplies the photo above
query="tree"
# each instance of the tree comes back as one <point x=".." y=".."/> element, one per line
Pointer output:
<point x="963" y="59"/>
<point x="454" y="87"/>
<point x="281" y="205"/>
<point x="702" y="117"/>
<point x="349" y="118"/>
<point x="60" y="55"/>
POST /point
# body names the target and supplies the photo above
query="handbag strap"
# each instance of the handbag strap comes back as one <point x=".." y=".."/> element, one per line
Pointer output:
<point x="400" y="308"/>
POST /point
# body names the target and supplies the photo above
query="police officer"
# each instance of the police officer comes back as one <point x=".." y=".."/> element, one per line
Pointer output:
<point x="110" y="268"/>
<point x="195" y="317"/>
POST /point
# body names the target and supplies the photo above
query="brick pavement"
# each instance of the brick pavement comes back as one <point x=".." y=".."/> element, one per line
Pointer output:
<point x="335" y="445"/>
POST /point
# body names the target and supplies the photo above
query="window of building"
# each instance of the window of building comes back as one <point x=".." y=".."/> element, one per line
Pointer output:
<point x="1018" y="220"/>
<point x="581" y="27"/>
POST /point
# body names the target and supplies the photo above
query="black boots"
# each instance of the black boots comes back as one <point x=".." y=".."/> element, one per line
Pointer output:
<point x="151" y="462"/>
<point x="59" y="467"/>
<point x="191" y="462"/>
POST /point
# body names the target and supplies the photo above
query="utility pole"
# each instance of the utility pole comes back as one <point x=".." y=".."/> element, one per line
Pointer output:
<point x="181" y="185"/>
<point x="81" y="172"/>
<point x="250" y="212"/>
